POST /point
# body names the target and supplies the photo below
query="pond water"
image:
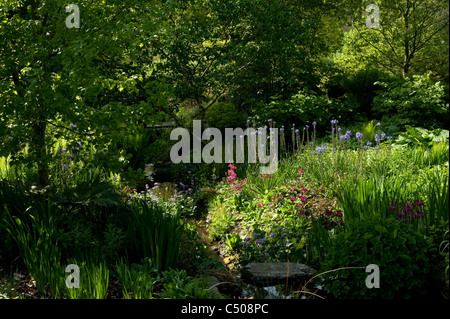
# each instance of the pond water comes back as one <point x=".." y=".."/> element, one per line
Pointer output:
<point x="271" y="292"/>
<point x="276" y="292"/>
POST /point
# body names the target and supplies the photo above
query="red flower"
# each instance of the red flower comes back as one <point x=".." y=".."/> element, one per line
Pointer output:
<point x="304" y="199"/>
<point x="300" y="171"/>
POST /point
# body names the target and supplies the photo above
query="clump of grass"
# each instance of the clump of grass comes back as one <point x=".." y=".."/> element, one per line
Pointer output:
<point x="155" y="233"/>
<point x="93" y="280"/>
<point x="36" y="238"/>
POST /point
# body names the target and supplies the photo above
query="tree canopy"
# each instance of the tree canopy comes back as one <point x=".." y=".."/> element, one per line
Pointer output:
<point x="132" y="64"/>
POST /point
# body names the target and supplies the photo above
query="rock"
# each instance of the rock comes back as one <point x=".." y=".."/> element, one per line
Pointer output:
<point x="275" y="273"/>
<point x="228" y="285"/>
<point x="228" y="260"/>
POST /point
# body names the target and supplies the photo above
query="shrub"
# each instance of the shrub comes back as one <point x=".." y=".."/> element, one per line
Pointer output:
<point x="178" y="285"/>
<point x="403" y="256"/>
<point x="418" y="136"/>
<point x="361" y="88"/>
<point x="302" y="107"/>
<point x="222" y="115"/>
<point x="136" y="281"/>
<point x="416" y="101"/>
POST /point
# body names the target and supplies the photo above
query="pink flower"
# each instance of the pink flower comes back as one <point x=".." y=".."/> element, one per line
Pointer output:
<point x="231" y="178"/>
<point x="300" y="171"/>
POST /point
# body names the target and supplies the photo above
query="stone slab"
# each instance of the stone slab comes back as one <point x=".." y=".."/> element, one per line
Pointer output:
<point x="275" y="273"/>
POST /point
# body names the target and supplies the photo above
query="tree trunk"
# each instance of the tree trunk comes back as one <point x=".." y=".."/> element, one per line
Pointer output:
<point x="406" y="62"/>
<point x="40" y="151"/>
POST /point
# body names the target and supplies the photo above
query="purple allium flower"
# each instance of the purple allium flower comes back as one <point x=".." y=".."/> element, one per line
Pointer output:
<point x="339" y="130"/>
<point x="321" y="149"/>
<point x="378" y="124"/>
<point x="383" y="135"/>
<point x="359" y="136"/>
<point x="269" y="120"/>
<point x="314" y="123"/>
<point x="377" y="138"/>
